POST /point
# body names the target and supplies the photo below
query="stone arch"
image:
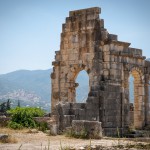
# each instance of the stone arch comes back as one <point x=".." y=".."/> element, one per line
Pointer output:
<point x="138" y="114"/>
<point x="74" y="71"/>
<point x="84" y="89"/>
<point x="80" y="68"/>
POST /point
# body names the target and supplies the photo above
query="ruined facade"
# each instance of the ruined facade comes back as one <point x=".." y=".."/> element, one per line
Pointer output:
<point x="87" y="45"/>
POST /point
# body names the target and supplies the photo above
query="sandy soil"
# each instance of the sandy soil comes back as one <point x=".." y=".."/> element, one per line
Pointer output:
<point x="41" y="141"/>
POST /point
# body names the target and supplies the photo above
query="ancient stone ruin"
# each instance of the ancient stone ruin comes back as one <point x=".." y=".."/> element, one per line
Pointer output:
<point x="87" y="45"/>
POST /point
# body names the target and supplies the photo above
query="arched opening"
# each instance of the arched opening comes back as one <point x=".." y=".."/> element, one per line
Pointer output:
<point x="136" y="99"/>
<point x="131" y="99"/>
<point x="83" y="86"/>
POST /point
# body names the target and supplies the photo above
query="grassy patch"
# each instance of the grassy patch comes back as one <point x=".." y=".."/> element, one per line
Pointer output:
<point x="135" y="146"/>
<point x="83" y="134"/>
<point x="42" y="126"/>
<point x="139" y="146"/>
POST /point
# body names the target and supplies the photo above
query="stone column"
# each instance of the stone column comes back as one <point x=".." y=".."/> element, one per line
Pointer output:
<point x="147" y="102"/>
<point x="138" y="101"/>
<point x="55" y="96"/>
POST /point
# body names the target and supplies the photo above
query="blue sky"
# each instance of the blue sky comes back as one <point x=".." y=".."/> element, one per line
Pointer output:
<point x="30" y="29"/>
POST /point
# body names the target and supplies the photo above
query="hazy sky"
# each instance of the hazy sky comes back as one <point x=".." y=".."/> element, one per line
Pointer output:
<point x="30" y="29"/>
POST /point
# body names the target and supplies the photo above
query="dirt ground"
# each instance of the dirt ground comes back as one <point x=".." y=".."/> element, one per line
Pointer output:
<point x="41" y="141"/>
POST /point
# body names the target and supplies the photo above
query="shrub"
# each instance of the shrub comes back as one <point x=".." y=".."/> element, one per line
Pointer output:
<point x="23" y="117"/>
<point x="42" y="126"/>
<point x="83" y="134"/>
<point x="14" y="125"/>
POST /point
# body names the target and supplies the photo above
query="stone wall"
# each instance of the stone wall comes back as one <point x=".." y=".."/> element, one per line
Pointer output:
<point x="87" y="45"/>
<point x="41" y="119"/>
<point x="74" y="111"/>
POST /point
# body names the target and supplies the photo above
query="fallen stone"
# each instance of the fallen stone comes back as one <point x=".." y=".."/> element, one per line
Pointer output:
<point x="33" y="131"/>
<point x="53" y="129"/>
<point x="3" y="137"/>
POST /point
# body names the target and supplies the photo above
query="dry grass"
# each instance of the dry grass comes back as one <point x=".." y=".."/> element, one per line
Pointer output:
<point x="12" y="131"/>
<point x="10" y="139"/>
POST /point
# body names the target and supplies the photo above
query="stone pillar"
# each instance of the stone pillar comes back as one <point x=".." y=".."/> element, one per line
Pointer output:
<point x="126" y="100"/>
<point x="55" y="96"/>
<point x="147" y="100"/>
<point x="139" y="110"/>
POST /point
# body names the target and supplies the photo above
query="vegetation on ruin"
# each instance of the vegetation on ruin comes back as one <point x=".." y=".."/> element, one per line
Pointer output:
<point x="83" y="134"/>
<point x="23" y="117"/>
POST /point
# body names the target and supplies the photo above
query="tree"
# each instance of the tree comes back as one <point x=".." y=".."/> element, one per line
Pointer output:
<point x="3" y="107"/>
<point x="18" y="105"/>
<point x="8" y="104"/>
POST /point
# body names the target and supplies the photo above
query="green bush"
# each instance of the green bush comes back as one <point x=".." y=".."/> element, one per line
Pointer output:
<point x="23" y="117"/>
<point x="14" y="125"/>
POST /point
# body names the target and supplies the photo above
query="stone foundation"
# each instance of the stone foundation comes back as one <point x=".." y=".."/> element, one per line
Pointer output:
<point x="89" y="129"/>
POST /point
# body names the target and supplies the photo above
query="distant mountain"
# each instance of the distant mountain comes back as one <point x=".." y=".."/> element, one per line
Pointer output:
<point x="25" y="85"/>
<point x="33" y="88"/>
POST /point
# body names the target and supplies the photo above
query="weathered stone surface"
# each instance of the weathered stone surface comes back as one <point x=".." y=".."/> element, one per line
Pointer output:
<point x="53" y="75"/>
<point x="41" y="119"/>
<point x="92" y="129"/>
<point x="53" y="129"/>
<point x="87" y="45"/>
